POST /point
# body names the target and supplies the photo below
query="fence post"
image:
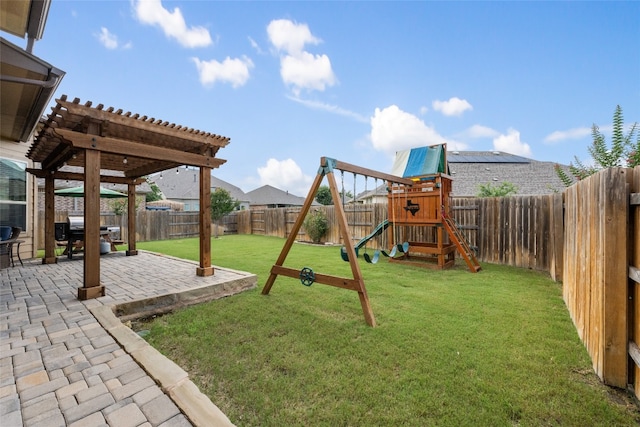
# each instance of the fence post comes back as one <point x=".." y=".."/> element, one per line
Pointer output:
<point x="616" y="261"/>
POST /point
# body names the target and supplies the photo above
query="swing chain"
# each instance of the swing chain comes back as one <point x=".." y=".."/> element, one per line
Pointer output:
<point x="342" y="184"/>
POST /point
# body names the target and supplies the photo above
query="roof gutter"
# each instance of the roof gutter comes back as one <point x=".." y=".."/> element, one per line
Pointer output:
<point x="21" y="65"/>
<point x="52" y="81"/>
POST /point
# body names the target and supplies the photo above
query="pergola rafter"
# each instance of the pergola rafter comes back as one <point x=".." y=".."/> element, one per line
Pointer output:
<point x="116" y="147"/>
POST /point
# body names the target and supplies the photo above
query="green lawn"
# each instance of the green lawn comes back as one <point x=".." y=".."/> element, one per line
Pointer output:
<point x="495" y="348"/>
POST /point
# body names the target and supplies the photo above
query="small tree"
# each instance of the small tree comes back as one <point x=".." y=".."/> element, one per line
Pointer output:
<point x="156" y="193"/>
<point x="623" y="152"/>
<point x="504" y="189"/>
<point x="221" y="204"/>
<point x="120" y="205"/>
<point x="316" y="225"/>
<point x="323" y="196"/>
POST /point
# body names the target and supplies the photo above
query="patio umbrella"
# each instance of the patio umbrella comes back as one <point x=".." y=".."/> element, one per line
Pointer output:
<point x="79" y="192"/>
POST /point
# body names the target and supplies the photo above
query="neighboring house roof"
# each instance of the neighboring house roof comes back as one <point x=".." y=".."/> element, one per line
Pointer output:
<point x="376" y="195"/>
<point x="271" y="196"/>
<point x="185" y="185"/>
<point x="469" y="169"/>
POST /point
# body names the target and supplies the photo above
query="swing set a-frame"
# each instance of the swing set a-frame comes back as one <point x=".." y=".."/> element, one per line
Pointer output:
<point x="418" y="195"/>
<point x="306" y="275"/>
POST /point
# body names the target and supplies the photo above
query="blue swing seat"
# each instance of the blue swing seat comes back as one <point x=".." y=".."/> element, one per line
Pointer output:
<point x="403" y="247"/>
<point x="374" y="259"/>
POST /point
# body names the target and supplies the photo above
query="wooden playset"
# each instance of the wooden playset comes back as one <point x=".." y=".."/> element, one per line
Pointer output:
<point x="418" y="196"/>
<point x="425" y="204"/>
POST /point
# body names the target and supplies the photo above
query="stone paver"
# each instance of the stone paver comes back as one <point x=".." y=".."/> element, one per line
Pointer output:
<point x="71" y="363"/>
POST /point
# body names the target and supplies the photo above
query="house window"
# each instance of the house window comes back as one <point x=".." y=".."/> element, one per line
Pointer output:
<point x="13" y="193"/>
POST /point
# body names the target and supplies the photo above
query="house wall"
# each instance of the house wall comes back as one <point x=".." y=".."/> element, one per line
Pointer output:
<point x="18" y="152"/>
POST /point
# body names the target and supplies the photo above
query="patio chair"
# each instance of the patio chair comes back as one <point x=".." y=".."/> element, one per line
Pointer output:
<point x="6" y="248"/>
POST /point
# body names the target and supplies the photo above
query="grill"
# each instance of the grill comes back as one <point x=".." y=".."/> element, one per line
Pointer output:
<point x="75" y="223"/>
<point x="73" y="232"/>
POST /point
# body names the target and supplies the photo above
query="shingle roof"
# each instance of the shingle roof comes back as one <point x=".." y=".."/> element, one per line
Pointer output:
<point x="380" y="191"/>
<point x="186" y="185"/>
<point x="484" y="157"/>
<point x="268" y="195"/>
<point x="469" y="169"/>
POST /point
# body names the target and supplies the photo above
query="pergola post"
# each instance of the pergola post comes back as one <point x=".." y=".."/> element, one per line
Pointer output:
<point x="81" y="136"/>
<point x="49" y="221"/>
<point x="92" y="287"/>
<point x="205" y="268"/>
<point x="131" y="220"/>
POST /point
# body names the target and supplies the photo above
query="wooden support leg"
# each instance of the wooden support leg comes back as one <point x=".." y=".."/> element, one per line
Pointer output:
<point x="351" y="252"/>
<point x="49" y="221"/>
<point x="131" y="220"/>
<point x="90" y="293"/>
<point x="294" y="232"/>
<point x="205" y="268"/>
<point x="91" y="286"/>
<point x="358" y="282"/>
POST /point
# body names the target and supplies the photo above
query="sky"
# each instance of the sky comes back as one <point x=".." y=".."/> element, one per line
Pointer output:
<point x="291" y="82"/>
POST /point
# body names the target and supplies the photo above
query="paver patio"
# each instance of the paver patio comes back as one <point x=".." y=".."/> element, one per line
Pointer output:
<point x="65" y="362"/>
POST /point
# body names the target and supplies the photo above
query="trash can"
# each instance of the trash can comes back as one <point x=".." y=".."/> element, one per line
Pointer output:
<point x="105" y="247"/>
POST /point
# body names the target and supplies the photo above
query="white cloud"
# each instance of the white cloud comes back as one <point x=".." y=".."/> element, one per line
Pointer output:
<point x="330" y="108"/>
<point x="285" y="175"/>
<point x="453" y="107"/>
<point x="234" y="71"/>
<point x="289" y="36"/>
<point x="299" y="68"/>
<point x="562" y="135"/>
<point x="254" y="44"/>
<point x="510" y="143"/>
<point x="479" y="131"/>
<point x="393" y="130"/>
<point x="151" y="12"/>
<point x="423" y="110"/>
<point x="108" y="40"/>
<point x="307" y="71"/>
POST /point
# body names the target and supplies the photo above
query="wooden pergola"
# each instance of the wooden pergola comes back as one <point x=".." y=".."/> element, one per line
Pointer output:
<point x="122" y="148"/>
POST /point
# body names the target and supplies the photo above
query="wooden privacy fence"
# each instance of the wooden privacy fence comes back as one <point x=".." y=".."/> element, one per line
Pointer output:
<point x="601" y="271"/>
<point x="522" y="231"/>
<point x="150" y="225"/>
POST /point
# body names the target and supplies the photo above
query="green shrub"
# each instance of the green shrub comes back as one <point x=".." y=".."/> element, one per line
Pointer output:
<point x="316" y="225"/>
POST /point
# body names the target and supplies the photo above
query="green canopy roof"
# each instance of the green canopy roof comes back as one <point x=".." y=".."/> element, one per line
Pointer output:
<point x="79" y="192"/>
<point x="420" y="161"/>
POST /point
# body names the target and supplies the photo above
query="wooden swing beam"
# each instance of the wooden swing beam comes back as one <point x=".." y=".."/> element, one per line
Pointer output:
<point x="327" y="166"/>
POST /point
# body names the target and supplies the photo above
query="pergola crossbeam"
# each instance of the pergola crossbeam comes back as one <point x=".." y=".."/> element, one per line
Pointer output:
<point x="76" y="176"/>
<point x="136" y="149"/>
<point x="100" y="140"/>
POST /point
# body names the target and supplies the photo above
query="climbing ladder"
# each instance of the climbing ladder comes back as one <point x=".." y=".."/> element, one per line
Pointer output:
<point x="461" y="243"/>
